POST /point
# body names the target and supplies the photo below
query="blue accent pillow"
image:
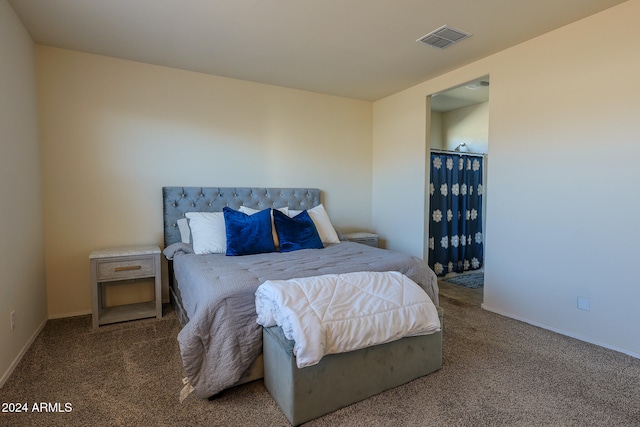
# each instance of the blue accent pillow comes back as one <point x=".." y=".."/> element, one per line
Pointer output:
<point x="296" y="233"/>
<point x="248" y="234"/>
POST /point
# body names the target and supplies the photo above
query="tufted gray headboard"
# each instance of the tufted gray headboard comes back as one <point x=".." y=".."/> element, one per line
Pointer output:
<point x="179" y="200"/>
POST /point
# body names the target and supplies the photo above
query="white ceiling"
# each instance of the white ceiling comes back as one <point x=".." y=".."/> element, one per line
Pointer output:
<point x="362" y="49"/>
<point x="461" y="96"/>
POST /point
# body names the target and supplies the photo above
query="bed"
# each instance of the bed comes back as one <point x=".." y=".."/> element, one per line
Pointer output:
<point x="214" y="295"/>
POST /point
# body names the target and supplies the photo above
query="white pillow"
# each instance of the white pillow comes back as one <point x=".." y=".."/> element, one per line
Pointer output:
<point x="251" y="211"/>
<point x="185" y="231"/>
<point x="322" y="222"/>
<point x="208" y="232"/>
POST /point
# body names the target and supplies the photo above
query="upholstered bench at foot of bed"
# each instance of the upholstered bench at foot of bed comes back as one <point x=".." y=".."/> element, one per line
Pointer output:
<point x="342" y="379"/>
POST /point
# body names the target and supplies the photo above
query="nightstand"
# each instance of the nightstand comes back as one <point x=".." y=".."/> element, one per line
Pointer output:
<point x="125" y="264"/>
<point x="369" y="239"/>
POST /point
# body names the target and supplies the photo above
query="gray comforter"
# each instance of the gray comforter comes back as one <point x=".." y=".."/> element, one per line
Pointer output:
<point x="222" y="339"/>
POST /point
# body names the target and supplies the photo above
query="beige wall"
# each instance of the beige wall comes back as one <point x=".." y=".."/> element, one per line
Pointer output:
<point x="562" y="180"/>
<point x="468" y="125"/>
<point x="115" y="132"/>
<point x="435" y="131"/>
<point x="399" y="167"/>
<point x="22" y="282"/>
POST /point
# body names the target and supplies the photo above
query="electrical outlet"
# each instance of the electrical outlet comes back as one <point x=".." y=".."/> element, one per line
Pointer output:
<point x="584" y="304"/>
<point x="12" y="318"/>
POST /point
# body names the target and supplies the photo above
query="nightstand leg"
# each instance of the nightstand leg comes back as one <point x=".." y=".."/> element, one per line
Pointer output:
<point x="158" y="288"/>
<point x="96" y="297"/>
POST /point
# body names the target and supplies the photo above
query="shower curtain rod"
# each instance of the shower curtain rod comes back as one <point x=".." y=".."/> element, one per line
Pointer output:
<point x="437" y="150"/>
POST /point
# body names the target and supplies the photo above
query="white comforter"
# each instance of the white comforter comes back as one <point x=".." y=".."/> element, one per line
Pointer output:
<point x="337" y="313"/>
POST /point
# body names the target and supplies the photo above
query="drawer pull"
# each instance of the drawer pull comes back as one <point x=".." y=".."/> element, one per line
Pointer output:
<point x="128" y="268"/>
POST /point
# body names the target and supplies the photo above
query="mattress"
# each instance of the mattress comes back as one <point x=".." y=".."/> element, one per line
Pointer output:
<point x="222" y="338"/>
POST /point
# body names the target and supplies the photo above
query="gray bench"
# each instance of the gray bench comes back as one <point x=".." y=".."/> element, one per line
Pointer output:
<point x="342" y="379"/>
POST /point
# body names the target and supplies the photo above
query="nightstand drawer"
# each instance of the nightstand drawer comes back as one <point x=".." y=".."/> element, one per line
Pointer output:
<point x="126" y="268"/>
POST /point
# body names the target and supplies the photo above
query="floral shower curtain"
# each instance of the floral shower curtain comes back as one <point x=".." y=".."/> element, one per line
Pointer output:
<point x="455" y="225"/>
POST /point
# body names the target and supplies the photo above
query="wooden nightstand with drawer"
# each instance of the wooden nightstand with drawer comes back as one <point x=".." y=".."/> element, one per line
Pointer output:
<point x="124" y="264"/>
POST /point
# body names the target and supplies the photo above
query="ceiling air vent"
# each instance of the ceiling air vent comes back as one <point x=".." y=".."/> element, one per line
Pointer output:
<point x="443" y="37"/>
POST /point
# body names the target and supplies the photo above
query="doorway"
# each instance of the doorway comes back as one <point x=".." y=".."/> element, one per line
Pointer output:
<point x="459" y="123"/>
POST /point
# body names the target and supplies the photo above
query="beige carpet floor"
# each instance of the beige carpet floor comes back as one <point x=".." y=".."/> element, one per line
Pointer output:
<point x="461" y="293"/>
<point x="497" y="372"/>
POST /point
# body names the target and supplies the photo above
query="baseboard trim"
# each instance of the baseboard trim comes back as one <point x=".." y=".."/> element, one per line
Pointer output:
<point x="562" y="332"/>
<point x="20" y="355"/>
